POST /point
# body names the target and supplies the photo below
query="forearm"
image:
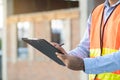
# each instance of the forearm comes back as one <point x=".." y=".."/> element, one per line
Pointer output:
<point x="102" y="64"/>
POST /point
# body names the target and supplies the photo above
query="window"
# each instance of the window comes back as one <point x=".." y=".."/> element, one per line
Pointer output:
<point x="23" y="31"/>
<point x="57" y="31"/>
<point x="61" y="32"/>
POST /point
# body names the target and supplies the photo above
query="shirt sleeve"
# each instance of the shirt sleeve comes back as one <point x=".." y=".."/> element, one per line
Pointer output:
<point x="101" y="64"/>
<point x="82" y="50"/>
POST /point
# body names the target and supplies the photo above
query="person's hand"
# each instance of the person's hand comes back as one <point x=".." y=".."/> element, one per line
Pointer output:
<point x="72" y="62"/>
<point x="58" y="46"/>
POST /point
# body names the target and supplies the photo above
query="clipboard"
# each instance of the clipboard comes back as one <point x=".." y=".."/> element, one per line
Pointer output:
<point x="45" y="47"/>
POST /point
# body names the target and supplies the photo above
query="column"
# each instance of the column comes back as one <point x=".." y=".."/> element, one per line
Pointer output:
<point x="4" y="47"/>
<point x="67" y="34"/>
<point x="86" y="7"/>
<point x="13" y="37"/>
<point x="30" y="48"/>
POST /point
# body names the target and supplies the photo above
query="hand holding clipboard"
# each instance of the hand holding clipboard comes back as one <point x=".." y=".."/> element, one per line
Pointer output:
<point x="46" y="48"/>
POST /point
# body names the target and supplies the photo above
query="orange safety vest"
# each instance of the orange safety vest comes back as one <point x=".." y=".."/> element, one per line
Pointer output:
<point x="111" y="39"/>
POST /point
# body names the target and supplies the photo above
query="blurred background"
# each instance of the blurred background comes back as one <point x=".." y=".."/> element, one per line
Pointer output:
<point x="61" y="21"/>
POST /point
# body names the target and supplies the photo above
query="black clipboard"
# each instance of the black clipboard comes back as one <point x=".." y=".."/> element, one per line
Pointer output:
<point x="45" y="47"/>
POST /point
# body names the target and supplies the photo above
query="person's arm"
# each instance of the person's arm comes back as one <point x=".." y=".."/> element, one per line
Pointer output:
<point x="107" y="63"/>
<point x="72" y="62"/>
<point x="74" y="58"/>
<point x="77" y="60"/>
<point x="101" y="64"/>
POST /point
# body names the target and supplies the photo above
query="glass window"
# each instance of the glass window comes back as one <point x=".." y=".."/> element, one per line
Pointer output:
<point x="56" y="31"/>
<point x="23" y="31"/>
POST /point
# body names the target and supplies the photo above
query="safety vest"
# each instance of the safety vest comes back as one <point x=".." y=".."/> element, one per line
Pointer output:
<point x="111" y="39"/>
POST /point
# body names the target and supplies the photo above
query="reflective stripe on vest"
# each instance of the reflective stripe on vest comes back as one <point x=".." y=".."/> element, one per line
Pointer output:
<point x="106" y="76"/>
<point x="111" y="40"/>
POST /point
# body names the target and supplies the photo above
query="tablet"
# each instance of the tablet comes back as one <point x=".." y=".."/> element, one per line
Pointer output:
<point x="45" y="47"/>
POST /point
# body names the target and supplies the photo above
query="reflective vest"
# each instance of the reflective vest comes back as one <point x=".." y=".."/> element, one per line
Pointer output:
<point x="111" y="39"/>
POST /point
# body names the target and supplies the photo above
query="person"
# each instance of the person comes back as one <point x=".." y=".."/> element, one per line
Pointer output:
<point x="98" y="53"/>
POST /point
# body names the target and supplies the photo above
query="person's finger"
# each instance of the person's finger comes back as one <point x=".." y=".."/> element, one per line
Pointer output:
<point x="61" y="56"/>
<point x="54" y="44"/>
<point x="59" y="47"/>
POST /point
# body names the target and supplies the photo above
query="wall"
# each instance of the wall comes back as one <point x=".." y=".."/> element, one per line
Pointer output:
<point x="75" y="32"/>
